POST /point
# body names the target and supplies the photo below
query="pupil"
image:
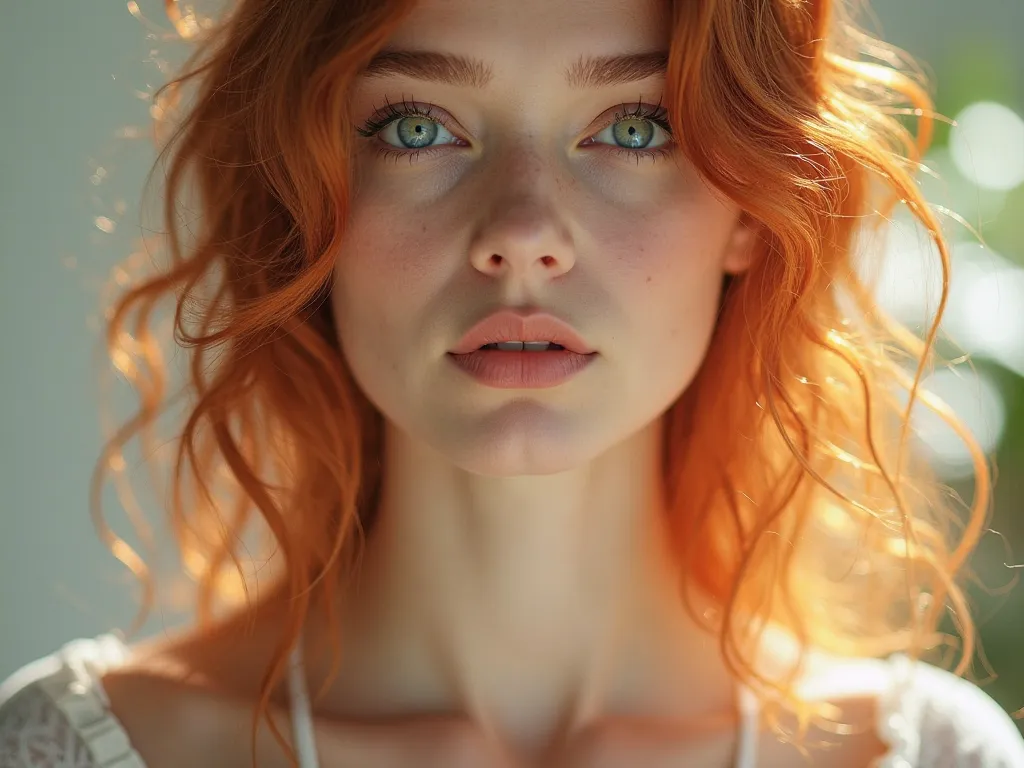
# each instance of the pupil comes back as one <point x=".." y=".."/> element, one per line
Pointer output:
<point x="416" y="132"/>
<point x="628" y="133"/>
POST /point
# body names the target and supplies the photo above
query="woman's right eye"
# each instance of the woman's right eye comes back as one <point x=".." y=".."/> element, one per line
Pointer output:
<point x="407" y="129"/>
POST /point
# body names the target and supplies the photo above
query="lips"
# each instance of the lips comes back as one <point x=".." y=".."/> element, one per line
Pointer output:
<point x="513" y="325"/>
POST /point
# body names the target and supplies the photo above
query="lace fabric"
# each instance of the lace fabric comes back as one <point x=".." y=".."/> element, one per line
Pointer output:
<point x="56" y="713"/>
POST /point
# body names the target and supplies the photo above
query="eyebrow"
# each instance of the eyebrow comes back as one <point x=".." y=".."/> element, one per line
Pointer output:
<point x="449" y="69"/>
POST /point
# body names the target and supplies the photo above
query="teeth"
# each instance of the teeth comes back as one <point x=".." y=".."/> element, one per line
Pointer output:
<point x="522" y="346"/>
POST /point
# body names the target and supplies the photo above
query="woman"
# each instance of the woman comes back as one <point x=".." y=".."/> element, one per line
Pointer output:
<point x="530" y="334"/>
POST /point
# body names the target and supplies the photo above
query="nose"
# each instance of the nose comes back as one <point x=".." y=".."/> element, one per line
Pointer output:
<point x="525" y="239"/>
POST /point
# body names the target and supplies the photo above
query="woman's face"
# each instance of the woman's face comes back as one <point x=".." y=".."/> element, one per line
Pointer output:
<point x="528" y="191"/>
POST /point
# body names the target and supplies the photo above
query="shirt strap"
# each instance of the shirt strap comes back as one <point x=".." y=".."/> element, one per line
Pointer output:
<point x="750" y="719"/>
<point x="302" y="715"/>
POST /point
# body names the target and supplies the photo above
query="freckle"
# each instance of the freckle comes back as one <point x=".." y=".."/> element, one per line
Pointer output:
<point x="648" y="278"/>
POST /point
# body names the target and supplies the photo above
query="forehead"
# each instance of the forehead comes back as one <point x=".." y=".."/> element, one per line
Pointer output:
<point x="531" y="33"/>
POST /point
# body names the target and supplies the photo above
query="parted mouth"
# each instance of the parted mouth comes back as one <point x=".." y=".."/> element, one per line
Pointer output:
<point x="512" y="330"/>
<point x="524" y="346"/>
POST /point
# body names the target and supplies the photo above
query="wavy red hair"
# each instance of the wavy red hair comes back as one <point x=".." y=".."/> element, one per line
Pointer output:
<point x="795" y="495"/>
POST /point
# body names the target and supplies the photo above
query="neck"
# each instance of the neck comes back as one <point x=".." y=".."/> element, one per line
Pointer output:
<point x="533" y="604"/>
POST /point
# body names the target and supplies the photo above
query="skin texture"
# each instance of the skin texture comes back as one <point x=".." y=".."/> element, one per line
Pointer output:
<point x="517" y="598"/>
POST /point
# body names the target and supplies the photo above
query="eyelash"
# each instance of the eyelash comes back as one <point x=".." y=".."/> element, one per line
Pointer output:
<point x="389" y="113"/>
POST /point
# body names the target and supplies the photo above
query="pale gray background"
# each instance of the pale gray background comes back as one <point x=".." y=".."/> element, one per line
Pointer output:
<point x="70" y="70"/>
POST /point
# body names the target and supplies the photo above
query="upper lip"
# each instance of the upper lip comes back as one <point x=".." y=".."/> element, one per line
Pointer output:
<point x="517" y="325"/>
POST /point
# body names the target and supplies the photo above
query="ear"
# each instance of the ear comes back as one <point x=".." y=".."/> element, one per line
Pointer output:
<point x="739" y="251"/>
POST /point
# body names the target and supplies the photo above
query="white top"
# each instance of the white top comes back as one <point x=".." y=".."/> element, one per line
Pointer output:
<point x="54" y="714"/>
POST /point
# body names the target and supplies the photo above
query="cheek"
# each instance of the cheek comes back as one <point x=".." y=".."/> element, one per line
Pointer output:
<point x="666" y="274"/>
<point x="383" y="276"/>
<point x="670" y="261"/>
<point x="384" y="260"/>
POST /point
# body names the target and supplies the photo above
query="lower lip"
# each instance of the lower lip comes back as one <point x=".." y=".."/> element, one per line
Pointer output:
<point x="522" y="370"/>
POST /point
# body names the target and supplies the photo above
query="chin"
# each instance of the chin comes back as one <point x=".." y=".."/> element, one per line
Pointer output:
<point x="520" y="438"/>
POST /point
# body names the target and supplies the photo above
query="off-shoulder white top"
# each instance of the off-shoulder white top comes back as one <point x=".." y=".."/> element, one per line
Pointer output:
<point x="54" y="714"/>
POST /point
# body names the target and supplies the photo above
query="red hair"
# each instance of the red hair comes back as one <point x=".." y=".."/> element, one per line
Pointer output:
<point x="794" y="492"/>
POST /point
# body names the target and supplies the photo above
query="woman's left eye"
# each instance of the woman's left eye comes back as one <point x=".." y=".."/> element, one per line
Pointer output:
<point x="411" y="131"/>
<point x="636" y="130"/>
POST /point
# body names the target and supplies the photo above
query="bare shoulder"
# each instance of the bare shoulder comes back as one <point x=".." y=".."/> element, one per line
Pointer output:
<point x="203" y="688"/>
<point x="171" y="714"/>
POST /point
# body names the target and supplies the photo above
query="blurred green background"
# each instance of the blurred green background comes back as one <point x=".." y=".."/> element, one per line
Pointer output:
<point x="76" y="96"/>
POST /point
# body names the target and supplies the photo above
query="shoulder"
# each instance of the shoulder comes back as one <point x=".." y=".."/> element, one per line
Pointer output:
<point x="941" y="719"/>
<point x="54" y="712"/>
<point x="96" y="703"/>
<point x="923" y="715"/>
